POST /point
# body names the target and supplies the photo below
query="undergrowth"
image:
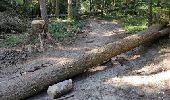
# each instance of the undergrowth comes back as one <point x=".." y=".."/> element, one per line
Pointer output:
<point x="61" y="29"/>
<point x="137" y="20"/>
<point x="13" y="40"/>
<point x="131" y="23"/>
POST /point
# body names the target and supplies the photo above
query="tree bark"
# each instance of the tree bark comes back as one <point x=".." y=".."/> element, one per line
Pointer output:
<point x="150" y="17"/>
<point x="91" y="5"/>
<point x="57" y="10"/>
<point x="43" y="10"/>
<point x="33" y="82"/>
<point x="70" y="9"/>
<point x="44" y="16"/>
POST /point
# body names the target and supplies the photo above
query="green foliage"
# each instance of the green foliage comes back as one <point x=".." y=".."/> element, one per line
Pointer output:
<point x="4" y="5"/>
<point x="10" y="21"/>
<point x="14" y="40"/>
<point x="85" y="6"/>
<point x="20" y="2"/>
<point x="129" y="8"/>
<point x="133" y="24"/>
<point x="64" y="29"/>
<point x="58" y="30"/>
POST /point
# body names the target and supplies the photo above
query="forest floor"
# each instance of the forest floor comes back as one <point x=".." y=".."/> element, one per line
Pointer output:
<point x="133" y="76"/>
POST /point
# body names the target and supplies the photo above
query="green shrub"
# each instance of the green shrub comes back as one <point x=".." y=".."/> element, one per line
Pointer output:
<point x="14" y="40"/>
<point x="133" y="24"/>
<point x="61" y="30"/>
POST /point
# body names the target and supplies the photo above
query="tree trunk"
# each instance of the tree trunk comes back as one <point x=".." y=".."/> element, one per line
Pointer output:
<point x="53" y="7"/>
<point x="43" y="10"/>
<point x="50" y="7"/>
<point x="150" y="17"/>
<point x="158" y="3"/>
<point x="102" y="8"/>
<point x="33" y="82"/>
<point x="77" y="7"/>
<point x="70" y="9"/>
<point x="90" y="5"/>
<point x="57" y="10"/>
<point x="44" y="16"/>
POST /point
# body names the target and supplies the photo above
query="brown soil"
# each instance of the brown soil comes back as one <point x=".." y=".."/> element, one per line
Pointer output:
<point x="131" y="78"/>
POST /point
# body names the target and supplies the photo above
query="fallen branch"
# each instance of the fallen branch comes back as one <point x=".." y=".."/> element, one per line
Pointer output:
<point x="34" y="82"/>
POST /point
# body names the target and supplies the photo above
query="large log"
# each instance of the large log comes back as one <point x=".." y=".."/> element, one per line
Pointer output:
<point x="33" y="82"/>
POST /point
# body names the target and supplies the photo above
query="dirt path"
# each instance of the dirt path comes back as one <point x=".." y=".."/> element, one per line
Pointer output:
<point x="120" y="81"/>
<point x="142" y="76"/>
<point x="96" y="33"/>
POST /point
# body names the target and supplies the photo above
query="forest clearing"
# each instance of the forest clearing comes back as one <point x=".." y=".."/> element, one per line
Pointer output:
<point x="84" y="50"/>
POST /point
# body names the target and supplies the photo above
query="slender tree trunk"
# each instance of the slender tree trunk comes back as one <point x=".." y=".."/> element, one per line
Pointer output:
<point x="53" y="6"/>
<point x="126" y="1"/>
<point x="77" y="9"/>
<point x="57" y="10"/>
<point x="150" y="17"/>
<point x="102" y="7"/>
<point x="158" y="3"/>
<point x="50" y="4"/>
<point x="90" y="5"/>
<point x="25" y="3"/>
<point x="70" y="9"/>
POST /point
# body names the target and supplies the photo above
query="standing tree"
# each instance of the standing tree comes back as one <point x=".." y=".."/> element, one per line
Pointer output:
<point x="57" y="10"/>
<point x="91" y="5"/>
<point x="43" y="10"/>
<point x="102" y="7"/>
<point x="50" y="7"/>
<point x="70" y="9"/>
<point x="40" y="27"/>
<point x="76" y="9"/>
<point x="150" y="12"/>
<point x="158" y="3"/>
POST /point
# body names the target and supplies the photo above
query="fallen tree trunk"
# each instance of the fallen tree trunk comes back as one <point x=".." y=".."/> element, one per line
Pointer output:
<point x="34" y="82"/>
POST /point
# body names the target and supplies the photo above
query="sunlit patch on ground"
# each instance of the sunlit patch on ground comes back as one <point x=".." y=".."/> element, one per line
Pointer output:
<point x="157" y="82"/>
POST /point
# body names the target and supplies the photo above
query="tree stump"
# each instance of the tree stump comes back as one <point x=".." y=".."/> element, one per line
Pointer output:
<point x="38" y="28"/>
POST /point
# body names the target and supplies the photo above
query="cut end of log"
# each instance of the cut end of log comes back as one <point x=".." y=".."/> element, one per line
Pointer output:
<point x="38" y="26"/>
<point x="59" y="89"/>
